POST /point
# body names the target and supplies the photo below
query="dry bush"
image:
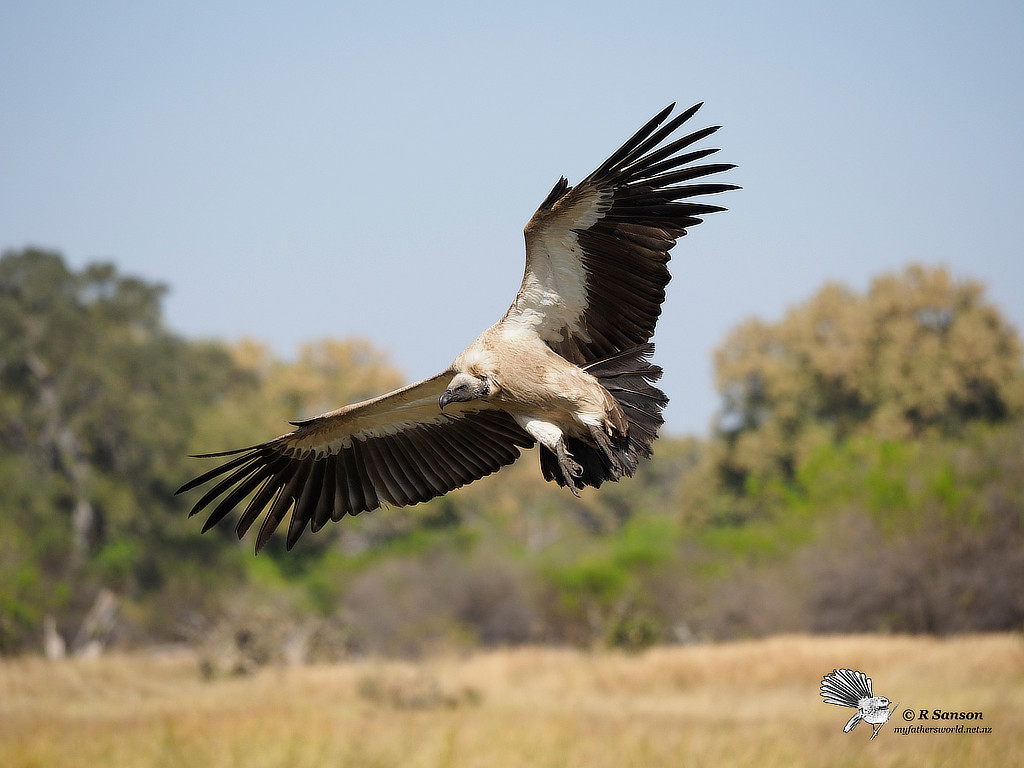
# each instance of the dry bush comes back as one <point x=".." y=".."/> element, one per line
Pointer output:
<point x="936" y="579"/>
<point x="751" y="602"/>
<point x="409" y="606"/>
<point x="412" y="687"/>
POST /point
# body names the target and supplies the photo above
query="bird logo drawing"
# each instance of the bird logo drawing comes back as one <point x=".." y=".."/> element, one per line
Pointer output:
<point x="850" y="688"/>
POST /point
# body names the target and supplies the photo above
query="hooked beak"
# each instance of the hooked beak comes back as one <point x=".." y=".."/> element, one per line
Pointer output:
<point x="445" y="399"/>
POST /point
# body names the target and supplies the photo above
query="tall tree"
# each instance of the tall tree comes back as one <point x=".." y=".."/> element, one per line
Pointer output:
<point x="97" y="402"/>
<point x="919" y="354"/>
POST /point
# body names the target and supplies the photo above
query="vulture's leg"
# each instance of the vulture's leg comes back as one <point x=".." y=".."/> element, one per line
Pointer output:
<point x="571" y="470"/>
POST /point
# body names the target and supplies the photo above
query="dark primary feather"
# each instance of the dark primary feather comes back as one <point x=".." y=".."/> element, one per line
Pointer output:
<point x="409" y="466"/>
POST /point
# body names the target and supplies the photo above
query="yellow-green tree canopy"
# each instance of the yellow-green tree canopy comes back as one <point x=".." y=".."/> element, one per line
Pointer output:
<point x="266" y="391"/>
<point x="919" y="353"/>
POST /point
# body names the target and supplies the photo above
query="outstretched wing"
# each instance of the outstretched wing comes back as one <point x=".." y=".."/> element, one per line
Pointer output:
<point x="597" y="254"/>
<point x="845" y="687"/>
<point x="398" y="449"/>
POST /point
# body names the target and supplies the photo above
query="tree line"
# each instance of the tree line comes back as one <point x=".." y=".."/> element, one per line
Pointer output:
<point x="865" y="474"/>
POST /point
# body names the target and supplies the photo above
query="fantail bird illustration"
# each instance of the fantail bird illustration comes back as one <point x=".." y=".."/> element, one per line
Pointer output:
<point x="849" y="688"/>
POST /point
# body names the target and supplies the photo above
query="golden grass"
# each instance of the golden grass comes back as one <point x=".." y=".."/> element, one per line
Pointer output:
<point x="749" y="703"/>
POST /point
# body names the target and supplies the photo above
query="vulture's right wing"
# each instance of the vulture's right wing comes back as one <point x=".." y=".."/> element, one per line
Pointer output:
<point x="399" y="448"/>
<point x="597" y="254"/>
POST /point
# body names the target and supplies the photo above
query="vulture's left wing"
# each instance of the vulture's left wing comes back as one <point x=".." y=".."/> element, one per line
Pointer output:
<point x="399" y="448"/>
<point x="597" y="253"/>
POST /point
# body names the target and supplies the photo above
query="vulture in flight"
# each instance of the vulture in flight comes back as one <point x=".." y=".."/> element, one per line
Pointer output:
<point x="568" y="366"/>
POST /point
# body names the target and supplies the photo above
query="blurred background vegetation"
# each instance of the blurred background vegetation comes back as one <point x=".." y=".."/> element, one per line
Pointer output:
<point x="866" y="473"/>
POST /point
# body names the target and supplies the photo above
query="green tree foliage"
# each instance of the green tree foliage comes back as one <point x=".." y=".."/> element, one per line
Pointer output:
<point x="940" y="528"/>
<point x="855" y="482"/>
<point x="881" y="535"/>
<point x="100" y="405"/>
<point x="867" y="476"/>
<point x="97" y="404"/>
<point x="918" y="354"/>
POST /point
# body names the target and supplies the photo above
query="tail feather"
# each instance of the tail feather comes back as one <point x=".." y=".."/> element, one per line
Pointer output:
<point x="845" y="687"/>
<point x="629" y="377"/>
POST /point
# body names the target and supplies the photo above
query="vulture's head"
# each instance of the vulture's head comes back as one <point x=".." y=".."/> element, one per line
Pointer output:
<point x="465" y="387"/>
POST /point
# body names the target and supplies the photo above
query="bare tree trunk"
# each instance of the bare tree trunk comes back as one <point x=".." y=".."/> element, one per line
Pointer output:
<point x="97" y="625"/>
<point x="61" y="442"/>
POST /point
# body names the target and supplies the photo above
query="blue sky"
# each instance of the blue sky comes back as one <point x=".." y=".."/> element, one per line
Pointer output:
<point x="299" y="170"/>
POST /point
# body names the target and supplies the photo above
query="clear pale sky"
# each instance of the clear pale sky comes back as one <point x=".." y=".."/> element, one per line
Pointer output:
<point x="300" y="170"/>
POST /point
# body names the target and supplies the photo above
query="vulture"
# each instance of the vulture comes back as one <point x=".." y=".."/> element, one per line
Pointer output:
<point x="567" y="367"/>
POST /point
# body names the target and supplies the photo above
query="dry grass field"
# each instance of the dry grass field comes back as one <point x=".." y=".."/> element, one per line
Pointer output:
<point x="749" y="703"/>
